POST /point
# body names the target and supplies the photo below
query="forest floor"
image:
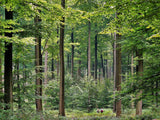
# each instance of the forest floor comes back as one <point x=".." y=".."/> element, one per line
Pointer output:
<point x="148" y="114"/>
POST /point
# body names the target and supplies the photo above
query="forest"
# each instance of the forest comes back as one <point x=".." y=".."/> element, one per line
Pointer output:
<point x="79" y="59"/>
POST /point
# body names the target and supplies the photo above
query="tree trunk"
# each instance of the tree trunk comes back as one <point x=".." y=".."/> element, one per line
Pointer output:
<point x="8" y="99"/>
<point x="52" y="67"/>
<point x="139" y="70"/>
<point x="102" y="66"/>
<point x="58" y="55"/>
<point x="156" y="93"/>
<point x="114" y="72"/>
<point x="132" y="72"/>
<point x="79" y="66"/>
<point x="118" y="74"/>
<point x="1" y="89"/>
<point x="89" y="49"/>
<point x="72" y="58"/>
<point x="38" y="64"/>
<point x="68" y="63"/>
<point x="61" y="100"/>
<point x="96" y="61"/>
<point x="18" y="86"/>
<point x="46" y="67"/>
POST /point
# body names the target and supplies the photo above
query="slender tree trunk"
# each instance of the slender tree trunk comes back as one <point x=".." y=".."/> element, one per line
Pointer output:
<point x="24" y="79"/>
<point x="52" y="67"/>
<point x="61" y="101"/>
<point x="118" y="74"/>
<point x="102" y="66"/>
<point x="79" y="66"/>
<point x="139" y="54"/>
<point x="18" y="86"/>
<point x="114" y="72"/>
<point x="72" y="58"/>
<point x="8" y="99"/>
<point x="132" y="72"/>
<point x="46" y="67"/>
<point x="89" y="49"/>
<point x="96" y="61"/>
<point x="68" y="63"/>
<point x="156" y="93"/>
<point x="1" y="89"/>
<point x="38" y="64"/>
<point x="58" y="68"/>
<point x="58" y="55"/>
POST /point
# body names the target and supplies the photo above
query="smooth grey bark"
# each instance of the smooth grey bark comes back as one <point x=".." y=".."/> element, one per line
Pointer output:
<point x="89" y="49"/>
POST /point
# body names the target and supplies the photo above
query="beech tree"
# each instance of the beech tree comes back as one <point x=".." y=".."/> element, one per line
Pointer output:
<point x="61" y="102"/>
<point x="38" y="64"/>
<point x="8" y="98"/>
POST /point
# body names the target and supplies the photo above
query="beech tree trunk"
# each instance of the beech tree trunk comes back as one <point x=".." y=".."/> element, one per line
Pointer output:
<point x="114" y="71"/>
<point x="157" y="93"/>
<point x="61" y="100"/>
<point x="18" y="86"/>
<point x="132" y="72"/>
<point x="46" y="67"/>
<point x="79" y="66"/>
<point x="118" y="74"/>
<point x="89" y="49"/>
<point x="102" y="66"/>
<point x="8" y="99"/>
<point x="139" y="70"/>
<point x="52" y="67"/>
<point x="96" y="61"/>
<point x="72" y="58"/>
<point x="38" y="64"/>
<point x="1" y="90"/>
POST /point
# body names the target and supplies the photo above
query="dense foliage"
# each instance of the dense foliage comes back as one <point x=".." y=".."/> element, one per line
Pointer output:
<point x="136" y="21"/>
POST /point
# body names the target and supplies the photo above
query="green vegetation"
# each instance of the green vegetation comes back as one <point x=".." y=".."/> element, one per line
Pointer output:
<point x="65" y="59"/>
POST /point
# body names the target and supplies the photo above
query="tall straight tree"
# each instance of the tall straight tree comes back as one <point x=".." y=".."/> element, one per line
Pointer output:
<point x="89" y="48"/>
<point x="1" y="90"/>
<point x="114" y="70"/>
<point x="38" y="64"/>
<point x="8" y="99"/>
<point x="118" y="74"/>
<point x="61" y="100"/>
<point x="139" y="70"/>
<point x="96" y="61"/>
<point x="72" y="59"/>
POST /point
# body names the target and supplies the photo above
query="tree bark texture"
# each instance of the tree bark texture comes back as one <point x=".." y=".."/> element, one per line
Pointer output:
<point x="132" y="72"/>
<point x="157" y="93"/>
<point x="46" y="67"/>
<point x="139" y="70"/>
<point x="1" y="90"/>
<point x="102" y="66"/>
<point x="38" y="64"/>
<point x="89" y="49"/>
<point x="8" y="99"/>
<point x="18" y="86"/>
<point x="118" y="74"/>
<point x="114" y="72"/>
<point x="52" y="67"/>
<point x="96" y="61"/>
<point x="72" y="58"/>
<point x="61" y="102"/>
<point x="79" y="66"/>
